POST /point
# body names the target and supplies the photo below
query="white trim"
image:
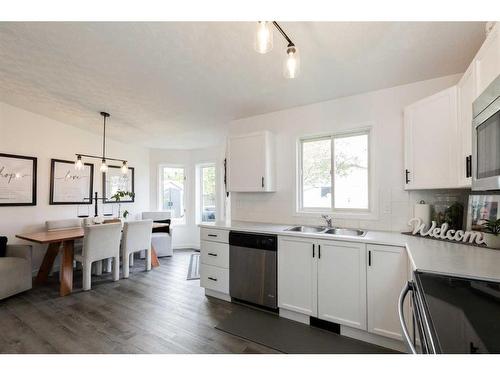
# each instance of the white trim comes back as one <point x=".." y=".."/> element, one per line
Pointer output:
<point x="178" y="221"/>
<point x="199" y="191"/>
<point x="371" y="212"/>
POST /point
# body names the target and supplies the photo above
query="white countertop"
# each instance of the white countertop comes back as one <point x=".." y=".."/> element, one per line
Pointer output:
<point x="425" y="254"/>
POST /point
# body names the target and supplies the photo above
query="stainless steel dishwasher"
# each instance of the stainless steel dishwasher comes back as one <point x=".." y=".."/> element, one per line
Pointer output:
<point x="253" y="262"/>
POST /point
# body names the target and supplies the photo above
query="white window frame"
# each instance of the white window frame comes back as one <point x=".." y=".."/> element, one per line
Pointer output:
<point x="178" y="220"/>
<point x="367" y="213"/>
<point x="199" y="192"/>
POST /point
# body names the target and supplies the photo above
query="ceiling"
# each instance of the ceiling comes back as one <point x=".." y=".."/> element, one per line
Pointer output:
<point x="178" y="84"/>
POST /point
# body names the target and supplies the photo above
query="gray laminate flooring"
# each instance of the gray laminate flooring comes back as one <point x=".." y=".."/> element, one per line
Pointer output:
<point x="151" y="312"/>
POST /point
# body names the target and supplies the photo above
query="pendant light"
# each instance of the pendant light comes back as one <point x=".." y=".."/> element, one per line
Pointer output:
<point x="291" y="67"/>
<point x="264" y="43"/>
<point x="263" y="37"/>
<point x="78" y="163"/>
<point x="104" y="161"/>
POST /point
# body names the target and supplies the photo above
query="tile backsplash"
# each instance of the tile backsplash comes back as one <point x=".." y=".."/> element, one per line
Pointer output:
<point x="395" y="208"/>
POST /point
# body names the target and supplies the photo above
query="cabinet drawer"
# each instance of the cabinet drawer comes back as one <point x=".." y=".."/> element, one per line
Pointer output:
<point x="214" y="278"/>
<point x="217" y="235"/>
<point x="215" y="253"/>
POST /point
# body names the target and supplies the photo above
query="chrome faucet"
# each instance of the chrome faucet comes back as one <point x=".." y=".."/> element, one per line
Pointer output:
<point x="329" y="220"/>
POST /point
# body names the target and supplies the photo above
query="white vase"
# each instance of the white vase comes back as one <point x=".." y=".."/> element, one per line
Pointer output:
<point x="492" y="240"/>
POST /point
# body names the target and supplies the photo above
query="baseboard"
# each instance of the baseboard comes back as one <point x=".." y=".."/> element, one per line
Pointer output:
<point x="219" y="295"/>
<point x="187" y="246"/>
<point x="292" y="315"/>
<point x="386" y="342"/>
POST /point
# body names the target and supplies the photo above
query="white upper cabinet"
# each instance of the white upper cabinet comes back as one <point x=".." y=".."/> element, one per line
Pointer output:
<point x="251" y="163"/>
<point x="386" y="275"/>
<point x="297" y="275"/>
<point x="487" y="60"/>
<point x="466" y="94"/>
<point x="430" y="127"/>
<point x="342" y="283"/>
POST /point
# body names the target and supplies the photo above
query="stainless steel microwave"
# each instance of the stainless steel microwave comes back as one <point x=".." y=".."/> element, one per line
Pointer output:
<point x="486" y="139"/>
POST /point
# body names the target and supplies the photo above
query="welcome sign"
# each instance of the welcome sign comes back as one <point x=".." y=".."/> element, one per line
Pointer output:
<point x="443" y="233"/>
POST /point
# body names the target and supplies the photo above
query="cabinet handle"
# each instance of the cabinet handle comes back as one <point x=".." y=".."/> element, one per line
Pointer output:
<point x="313" y="250"/>
<point x="263" y="182"/>
<point x="212" y="278"/>
<point x="212" y="235"/>
<point x="319" y="251"/>
<point x="369" y="258"/>
<point x="407" y="173"/>
<point x="212" y="254"/>
<point x="468" y="166"/>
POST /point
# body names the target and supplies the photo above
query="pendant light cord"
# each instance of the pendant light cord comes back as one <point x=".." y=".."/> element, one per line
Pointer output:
<point x="290" y="43"/>
<point x="104" y="141"/>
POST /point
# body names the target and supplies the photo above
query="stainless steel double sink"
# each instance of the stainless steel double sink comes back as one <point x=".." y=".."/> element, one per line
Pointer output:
<point x="325" y="230"/>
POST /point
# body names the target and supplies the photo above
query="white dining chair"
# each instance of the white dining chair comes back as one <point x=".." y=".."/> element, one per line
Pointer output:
<point x="136" y="237"/>
<point x="101" y="241"/>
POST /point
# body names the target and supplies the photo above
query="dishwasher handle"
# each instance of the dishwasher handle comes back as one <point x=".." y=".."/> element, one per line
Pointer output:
<point x="406" y="336"/>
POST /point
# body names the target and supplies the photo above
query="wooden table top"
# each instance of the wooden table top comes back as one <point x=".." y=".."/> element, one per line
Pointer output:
<point x="47" y="237"/>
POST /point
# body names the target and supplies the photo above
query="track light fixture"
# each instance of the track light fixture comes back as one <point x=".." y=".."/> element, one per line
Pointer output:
<point x="264" y="43"/>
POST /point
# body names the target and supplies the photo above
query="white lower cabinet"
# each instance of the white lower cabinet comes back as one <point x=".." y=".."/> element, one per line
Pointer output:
<point x="387" y="273"/>
<point x="214" y="262"/>
<point x="342" y="283"/>
<point x="297" y="275"/>
<point x="353" y="284"/>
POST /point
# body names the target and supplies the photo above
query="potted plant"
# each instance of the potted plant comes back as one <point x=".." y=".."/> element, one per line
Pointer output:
<point x="118" y="197"/>
<point x="492" y="233"/>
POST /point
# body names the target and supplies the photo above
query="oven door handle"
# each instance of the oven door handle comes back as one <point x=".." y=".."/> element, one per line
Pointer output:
<point x="406" y="336"/>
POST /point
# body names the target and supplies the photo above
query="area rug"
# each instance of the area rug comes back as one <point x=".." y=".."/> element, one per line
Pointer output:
<point x="194" y="267"/>
<point x="291" y="337"/>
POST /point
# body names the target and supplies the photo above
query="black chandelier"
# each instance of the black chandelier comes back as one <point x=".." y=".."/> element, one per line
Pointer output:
<point x="104" y="166"/>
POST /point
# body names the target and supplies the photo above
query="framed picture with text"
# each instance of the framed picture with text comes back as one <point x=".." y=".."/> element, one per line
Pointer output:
<point x="114" y="180"/>
<point x="69" y="185"/>
<point x="17" y="180"/>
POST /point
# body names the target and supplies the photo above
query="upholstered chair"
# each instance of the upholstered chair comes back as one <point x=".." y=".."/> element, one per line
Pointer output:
<point x="15" y="270"/>
<point x="136" y="238"/>
<point x="101" y="241"/>
<point x="161" y="238"/>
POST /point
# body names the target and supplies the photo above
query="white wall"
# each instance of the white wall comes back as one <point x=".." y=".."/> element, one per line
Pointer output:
<point x="186" y="235"/>
<point x="383" y="111"/>
<point x="26" y="133"/>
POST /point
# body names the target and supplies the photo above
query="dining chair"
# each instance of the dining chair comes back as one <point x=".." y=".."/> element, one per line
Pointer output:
<point x="162" y="237"/>
<point x="101" y="241"/>
<point x="136" y="237"/>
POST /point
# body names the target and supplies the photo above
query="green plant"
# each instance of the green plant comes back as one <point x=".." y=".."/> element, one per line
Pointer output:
<point x="122" y="194"/>
<point x="492" y="226"/>
<point x="125" y="214"/>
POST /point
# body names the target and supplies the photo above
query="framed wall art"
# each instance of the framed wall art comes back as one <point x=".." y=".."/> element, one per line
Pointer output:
<point x="17" y="180"/>
<point x="69" y="185"/>
<point x="114" y="180"/>
<point x="481" y="208"/>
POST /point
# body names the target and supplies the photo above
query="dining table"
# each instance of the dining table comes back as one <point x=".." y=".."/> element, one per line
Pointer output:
<point x="63" y="241"/>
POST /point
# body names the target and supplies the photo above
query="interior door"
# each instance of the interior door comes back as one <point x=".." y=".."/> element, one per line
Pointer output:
<point x="297" y="275"/>
<point x="342" y="283"/>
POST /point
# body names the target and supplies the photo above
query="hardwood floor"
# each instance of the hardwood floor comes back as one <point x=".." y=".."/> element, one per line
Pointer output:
<point x="151" y="312"/>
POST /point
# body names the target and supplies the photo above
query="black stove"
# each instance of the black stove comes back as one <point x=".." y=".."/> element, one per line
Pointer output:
<point x="456" y="315"/>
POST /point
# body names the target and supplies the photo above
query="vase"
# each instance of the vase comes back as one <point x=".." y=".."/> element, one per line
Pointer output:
<point x="492" y="240"/>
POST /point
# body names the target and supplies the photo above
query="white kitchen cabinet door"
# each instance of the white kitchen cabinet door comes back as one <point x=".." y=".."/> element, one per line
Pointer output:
<point x="430" y="127"/>
<point x="487" y="61"/>
<point x="342" y="283"/>
<point x="466" y="95"/>
<point x="250" y="163"/>
<point x="386" y="275"/>
<point x="297" y="275"/>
